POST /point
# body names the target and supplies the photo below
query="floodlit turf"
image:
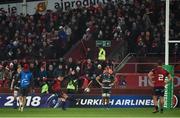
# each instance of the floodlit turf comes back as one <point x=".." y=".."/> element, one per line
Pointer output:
<point x="87" y="112"/>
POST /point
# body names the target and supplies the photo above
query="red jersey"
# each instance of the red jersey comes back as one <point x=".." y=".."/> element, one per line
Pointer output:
<point x="159" y="76"/>
<point x="85" y="81"/>
<point x="56" y="86"/>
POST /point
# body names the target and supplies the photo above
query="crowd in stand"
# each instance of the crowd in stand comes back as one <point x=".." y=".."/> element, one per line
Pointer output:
<point x="51" y="72"/>
<point x="141" y="23"/>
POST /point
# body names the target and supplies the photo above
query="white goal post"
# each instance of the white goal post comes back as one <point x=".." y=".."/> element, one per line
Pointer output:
<point x="167" y="41"/>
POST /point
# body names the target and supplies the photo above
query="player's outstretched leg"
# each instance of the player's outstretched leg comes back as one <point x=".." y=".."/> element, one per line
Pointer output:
<point x="58" y="103"/>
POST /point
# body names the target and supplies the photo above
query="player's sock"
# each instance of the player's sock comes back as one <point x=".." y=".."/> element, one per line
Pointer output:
<point x="20" y="105"/>
<point x="22" y="108"/>
<point x="107" y="106"/>
<point x="156" y="109"/>
<point x="15" y="104"/>
<point x="57" y="104"/>
<point x="63" y="105"/>
<point x="162" y="110"/>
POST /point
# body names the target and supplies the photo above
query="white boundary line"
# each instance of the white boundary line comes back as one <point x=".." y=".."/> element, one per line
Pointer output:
<point x="88" y="117"/>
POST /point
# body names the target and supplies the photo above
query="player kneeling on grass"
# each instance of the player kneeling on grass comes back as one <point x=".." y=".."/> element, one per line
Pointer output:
<point x="59" y="98"/>
<point x="157" y="77"/>
<point x="107" y="81"/>
<point x="25" y="84"/>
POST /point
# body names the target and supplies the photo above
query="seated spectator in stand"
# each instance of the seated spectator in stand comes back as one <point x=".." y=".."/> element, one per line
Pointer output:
<point x="41" y="75"/>
<point x="1" y="75"/>
<point x="122" y="82"/>
<point x="50" y="74"/>
<point x="58" y="71"/>
<point x="70" y="63"/>
<point x="6" y="76"/>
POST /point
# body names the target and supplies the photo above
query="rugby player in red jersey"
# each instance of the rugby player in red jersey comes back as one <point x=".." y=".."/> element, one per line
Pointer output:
<point x="157" y="77"/>
<point x="62" y="96"/>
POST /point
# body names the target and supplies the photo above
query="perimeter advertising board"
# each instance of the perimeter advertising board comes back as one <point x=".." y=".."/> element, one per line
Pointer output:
<point x="85" y="101"/>
<point x="140" y="80"/>
<point x="49" y="4"/>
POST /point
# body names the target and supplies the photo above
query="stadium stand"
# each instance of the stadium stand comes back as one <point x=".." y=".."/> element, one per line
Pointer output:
<point x="33" y="38"/>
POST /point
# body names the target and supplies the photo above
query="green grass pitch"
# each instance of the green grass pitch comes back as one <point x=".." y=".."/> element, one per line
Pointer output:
<point x="86" y="112"/>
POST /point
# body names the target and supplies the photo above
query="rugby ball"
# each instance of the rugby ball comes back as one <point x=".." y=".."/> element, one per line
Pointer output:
<point x="87" y="90"/>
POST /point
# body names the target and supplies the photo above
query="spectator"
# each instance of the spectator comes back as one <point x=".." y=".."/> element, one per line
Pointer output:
<point x="122" y="82"/>
<point x="99" y="70"/>
<point x="58" y="71"/>
<point x="70" y="63"/>
<point x="7" y="75"/>
<point x="1" y="72"/>
<point x="72" y="85"/>
<point x="50" y="71"/>
<point x="89" y="54"/>
<point x="41" y="75"/>
<point x="45" y="87"/>
<point x="88" y="35"/>
<point x="33" y="68"/>
<point x="63" y="37"/>
<point x="141" y="45"/>
<point x="68" y="31"/>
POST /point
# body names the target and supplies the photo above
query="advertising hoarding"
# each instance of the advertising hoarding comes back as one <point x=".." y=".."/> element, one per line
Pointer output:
<point x="85" y="101"/>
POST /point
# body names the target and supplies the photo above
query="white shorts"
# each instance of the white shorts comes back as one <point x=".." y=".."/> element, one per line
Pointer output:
<point x="15" y="93"/>
<point x="105" y="95"/>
